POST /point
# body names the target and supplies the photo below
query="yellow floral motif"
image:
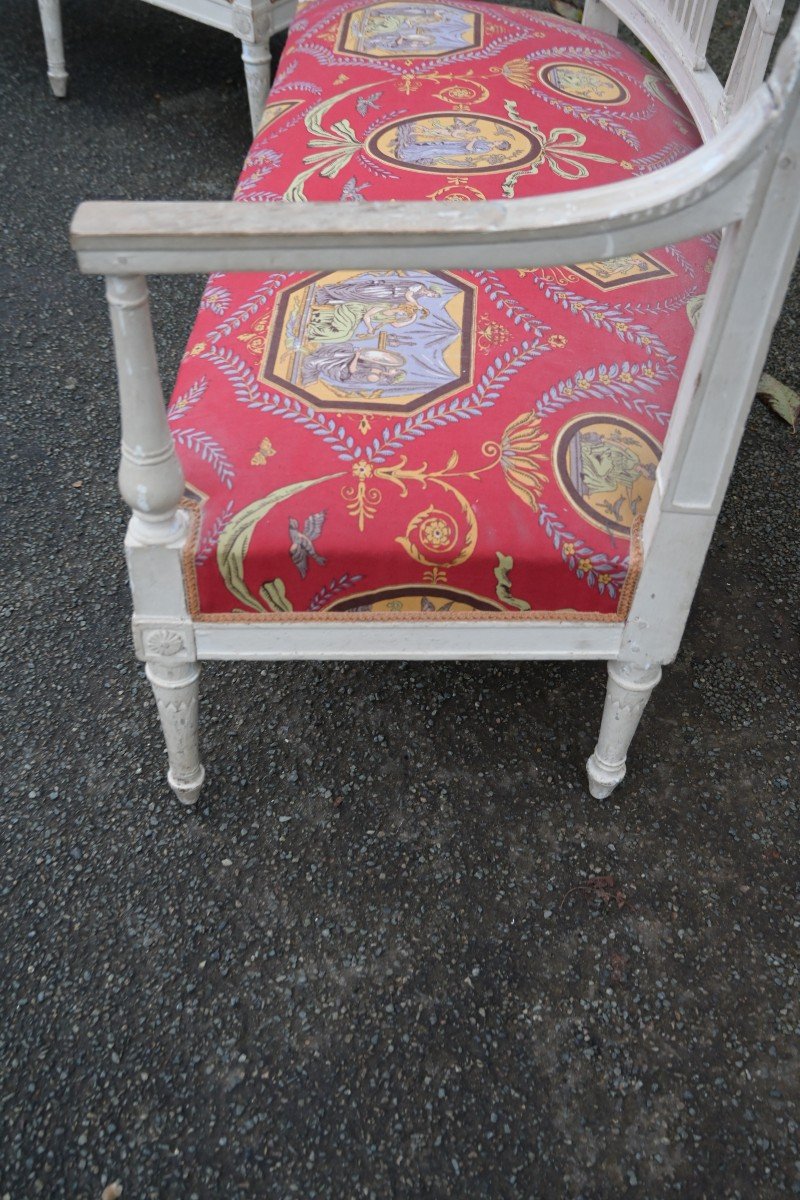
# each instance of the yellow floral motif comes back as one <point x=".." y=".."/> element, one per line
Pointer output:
<point x="568" y="549"/>
<point x="436" y="533"/>
<point x="456" y="191"/>
<point x="256" y="339"/>
<point x="517" y="71"/>
<point x="434" y="575"/>
<point x="491" y="333"/>
<point x="520" y="457"/>
<point x="408" y="82"/>
<point x="584" y="564"/>
<point x="557" y="341"/>
<point x="401" y="475"/>
<point x="463" y="92"/>
<point x="517" y="453"/>
<point x="433" y="530"/>
<point x="362" y="501"/>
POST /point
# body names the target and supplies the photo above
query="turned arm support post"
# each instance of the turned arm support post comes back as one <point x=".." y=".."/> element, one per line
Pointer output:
<point x="150" y="476"/>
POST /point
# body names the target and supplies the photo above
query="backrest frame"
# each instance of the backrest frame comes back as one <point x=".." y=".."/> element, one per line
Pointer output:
<point x="677" y="34"/>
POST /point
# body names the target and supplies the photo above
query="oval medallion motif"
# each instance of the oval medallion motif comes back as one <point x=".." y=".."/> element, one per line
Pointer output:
<point x="454" y="144"/>
<point x="606" y="468"/>
<point x="583" y="83"/>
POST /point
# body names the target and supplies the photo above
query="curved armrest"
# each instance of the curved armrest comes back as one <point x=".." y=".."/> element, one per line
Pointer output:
<point x="706" y="190"/>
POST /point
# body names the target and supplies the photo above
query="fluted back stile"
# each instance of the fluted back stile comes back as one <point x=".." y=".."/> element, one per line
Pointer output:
<point x="677" y="33"/>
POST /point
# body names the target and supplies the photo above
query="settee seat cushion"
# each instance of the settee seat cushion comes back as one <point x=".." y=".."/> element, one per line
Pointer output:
<point x="418" y="442"/>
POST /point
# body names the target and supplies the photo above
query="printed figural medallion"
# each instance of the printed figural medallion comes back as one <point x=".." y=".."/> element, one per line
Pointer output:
<point x="586" y="84"/>
<point x="391" y="341"/>
<point x="606" y="468"/>
<point x="408" y="31"/>
<point x="455" y="144"/>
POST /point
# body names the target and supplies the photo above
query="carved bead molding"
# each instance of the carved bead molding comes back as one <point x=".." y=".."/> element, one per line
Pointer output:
<point x="167" y="643"/>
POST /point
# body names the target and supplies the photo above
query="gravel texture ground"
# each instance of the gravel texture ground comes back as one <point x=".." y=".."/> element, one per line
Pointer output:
<point x="370" y="964"/>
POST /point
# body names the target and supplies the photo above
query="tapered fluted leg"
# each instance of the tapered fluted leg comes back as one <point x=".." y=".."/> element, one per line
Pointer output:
<point x="629" y="689"/>
<point x="50" y="14"/>
<point x="257" y="62"/>
<point x="177" y="693"/>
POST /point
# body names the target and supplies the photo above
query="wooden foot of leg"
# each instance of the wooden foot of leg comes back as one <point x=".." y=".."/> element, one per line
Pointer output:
<point x="177" y="693"/>
<point x="629" y="689"/>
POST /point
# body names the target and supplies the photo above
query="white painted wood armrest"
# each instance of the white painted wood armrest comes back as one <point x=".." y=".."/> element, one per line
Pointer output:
<point x="705" y="190"/>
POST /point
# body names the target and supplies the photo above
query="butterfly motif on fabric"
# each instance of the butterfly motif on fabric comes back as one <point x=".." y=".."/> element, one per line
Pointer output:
<point x="265" y="450"/>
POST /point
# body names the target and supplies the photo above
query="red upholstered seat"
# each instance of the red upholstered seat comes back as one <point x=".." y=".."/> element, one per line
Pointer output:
<point x="419" y="441"/>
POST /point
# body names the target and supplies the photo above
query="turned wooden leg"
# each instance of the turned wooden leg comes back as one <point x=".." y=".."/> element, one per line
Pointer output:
<point x="256" y="59"/>
<point x="50" y="14"/>
<point x="629" y="689"/>
<point x="177" y="693"/>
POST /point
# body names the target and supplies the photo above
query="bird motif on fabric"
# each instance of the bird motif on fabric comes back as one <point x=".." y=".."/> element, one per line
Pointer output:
<point x="302" y="541"/>
<point x="365" y="103"/>
<point x="352" y="190"/>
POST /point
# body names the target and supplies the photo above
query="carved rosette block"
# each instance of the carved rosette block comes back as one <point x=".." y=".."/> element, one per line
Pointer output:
<point x="168" y="643"/>
<point x="629" y="689"/>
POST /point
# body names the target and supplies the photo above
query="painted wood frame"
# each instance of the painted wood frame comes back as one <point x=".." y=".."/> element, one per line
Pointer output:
<point x="745" y="180"/>
<point x="251" y="21"/>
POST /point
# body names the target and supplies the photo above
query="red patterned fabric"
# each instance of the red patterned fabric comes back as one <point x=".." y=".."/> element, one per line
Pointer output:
<point x="416" y="441"/>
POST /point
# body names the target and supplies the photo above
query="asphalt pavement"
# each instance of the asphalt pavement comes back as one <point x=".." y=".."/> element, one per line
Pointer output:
<point x="375" y="962"/>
